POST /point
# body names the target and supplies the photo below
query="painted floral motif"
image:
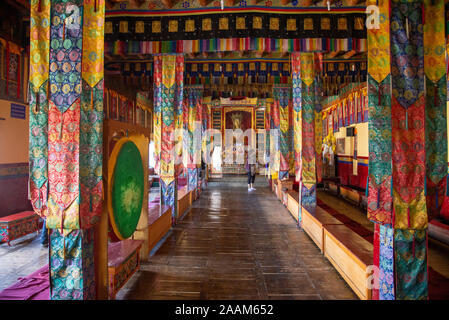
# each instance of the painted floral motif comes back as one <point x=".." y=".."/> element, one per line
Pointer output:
<point x="410" y="260"/>
<point x="408" y="116"/>
<point x="39" y="42"/>
<point x="380" y="201"/>
<point x="386" y="263"/>
<point x="65" y="56"/>
<point x="436" y="94"/>
<point x="282" y="97"/>
<point x="16" y="229"/>
<point x="72" y="270"/>
<point x="168" y="98"/>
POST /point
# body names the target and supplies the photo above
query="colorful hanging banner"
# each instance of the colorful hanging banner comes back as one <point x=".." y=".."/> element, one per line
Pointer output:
<point x="38" y="91"/>
<point x="303" y="79"/>
<point x="379" y="99"/>
<point x="66" y="137"/>
<point x="282" y="102"/>
<point x="66" y="94"/>
<point x="436" y="91"/>
<point x="408" y="116"/>
<point x="168" y="97"/>
<point x="274" y="140"/>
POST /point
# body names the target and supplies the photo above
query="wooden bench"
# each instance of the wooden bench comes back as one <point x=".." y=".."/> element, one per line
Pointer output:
<point x="332" y="184"/>
<point x="159" y="223"/>
<point x="293" y="203"/>
<point x="283" y="184"/>
<point x="314" y="222"/>
<point x="123" y="262"/>
<point x="280" y="185"/>
<point x="353" y="195"/>
<point x="350" y="254"/>
<point x="183" y="201"/>
<point x="18" y="225"/>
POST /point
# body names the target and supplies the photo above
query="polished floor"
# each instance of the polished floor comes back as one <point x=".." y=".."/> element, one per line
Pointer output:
<point x="23" y="257"/>
<point x="237" y="245"/>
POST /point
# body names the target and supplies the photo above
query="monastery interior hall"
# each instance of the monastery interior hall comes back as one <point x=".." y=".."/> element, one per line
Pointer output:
<point x="224" y="150"/>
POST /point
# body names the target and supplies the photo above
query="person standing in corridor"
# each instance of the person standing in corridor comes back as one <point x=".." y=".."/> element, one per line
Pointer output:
<point x="250" y="167"/>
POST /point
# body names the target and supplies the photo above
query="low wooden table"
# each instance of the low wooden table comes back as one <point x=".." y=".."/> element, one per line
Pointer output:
<point x="18" y="225"/>
<point x="123" y="262"/>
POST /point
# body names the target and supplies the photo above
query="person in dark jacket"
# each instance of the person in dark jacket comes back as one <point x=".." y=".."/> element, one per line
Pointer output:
<point x="250" y="170"/>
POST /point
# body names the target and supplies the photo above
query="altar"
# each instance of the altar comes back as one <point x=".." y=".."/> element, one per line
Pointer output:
<point x="245" y="117"/>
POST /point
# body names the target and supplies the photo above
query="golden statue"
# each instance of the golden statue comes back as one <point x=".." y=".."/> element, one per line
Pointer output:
<point x="236" y="120"/>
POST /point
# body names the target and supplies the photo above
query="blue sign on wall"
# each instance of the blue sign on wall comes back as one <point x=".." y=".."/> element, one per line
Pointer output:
<point x="18" y="111"/>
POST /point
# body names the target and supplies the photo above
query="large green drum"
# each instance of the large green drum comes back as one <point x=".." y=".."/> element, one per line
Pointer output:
<point x="126" y="192"/>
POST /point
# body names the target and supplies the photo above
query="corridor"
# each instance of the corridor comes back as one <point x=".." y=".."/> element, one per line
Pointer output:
<point x="237" y="245"/>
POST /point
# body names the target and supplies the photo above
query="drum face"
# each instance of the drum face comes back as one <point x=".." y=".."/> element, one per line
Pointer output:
<point x="127" y="190"/>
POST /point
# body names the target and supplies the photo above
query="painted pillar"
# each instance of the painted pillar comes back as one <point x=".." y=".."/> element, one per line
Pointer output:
<point x="198" y="136"/>
<point x="282" y="101"/>
<point x="436" y="96"/>
<point x="303" y="66"/>
<point x="291" y="143"/>
<point x="406" y="174"/>
<point x="194" y="109"/>
<point x="318" y="58"/>
<point x="267" y="140"/>
<point x="66" y="138"/>
<point x="274" y="140"/>
<point x="192" y="171"/>
<point x="380" y="201"/>
<point x="168" y="93"/>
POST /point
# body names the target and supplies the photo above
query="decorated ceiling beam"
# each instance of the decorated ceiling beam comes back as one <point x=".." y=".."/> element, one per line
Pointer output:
<point x="195" y="24"/>
<point x="335" y="73"/>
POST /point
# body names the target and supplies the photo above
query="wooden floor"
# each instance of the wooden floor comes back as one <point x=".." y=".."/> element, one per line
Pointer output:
<point x="237" y="245"/>
<point x="23" y="257"/>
